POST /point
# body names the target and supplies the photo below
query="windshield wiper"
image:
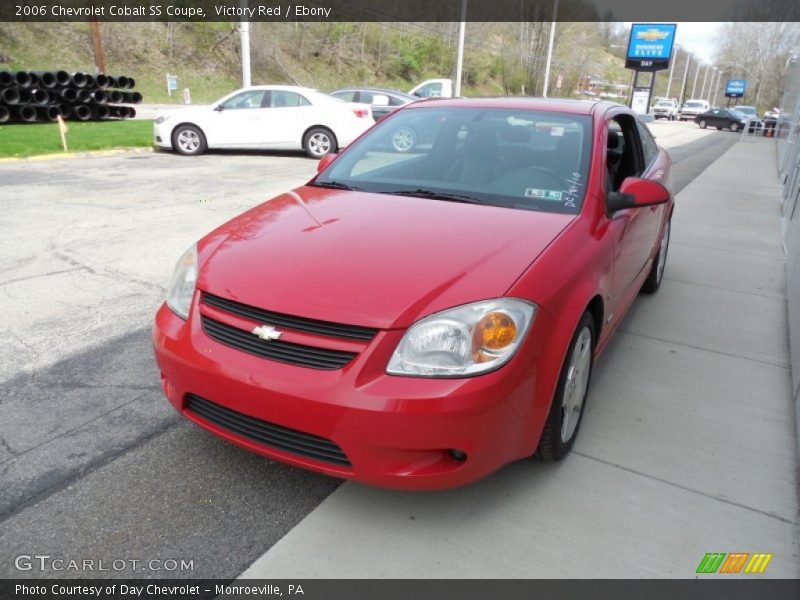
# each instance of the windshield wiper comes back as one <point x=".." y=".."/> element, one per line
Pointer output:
<point x="433" y="195"/>
<point x="336" y="185"/>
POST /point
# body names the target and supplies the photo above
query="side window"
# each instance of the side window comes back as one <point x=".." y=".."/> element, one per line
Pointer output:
<point x="251" y="99"/>
<point x="649" y="146"/>
<point x="432" y="90"/>
<point x="625" y="158"/>
<point x="395" y="101"/>
<point x="348" y="96"/>
<point x="282" y="99"/>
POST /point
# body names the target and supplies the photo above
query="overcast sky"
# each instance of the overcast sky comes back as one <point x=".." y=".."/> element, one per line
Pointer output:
<point x="698" y="38"/>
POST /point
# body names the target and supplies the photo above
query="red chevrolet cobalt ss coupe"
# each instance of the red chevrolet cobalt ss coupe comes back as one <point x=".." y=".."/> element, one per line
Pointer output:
<point x="420" y="318"/>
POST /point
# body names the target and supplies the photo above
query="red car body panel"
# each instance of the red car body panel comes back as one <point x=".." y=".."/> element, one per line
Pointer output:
<point x="385" y="262"/>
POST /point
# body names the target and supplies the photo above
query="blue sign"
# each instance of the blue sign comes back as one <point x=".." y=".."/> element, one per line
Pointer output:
<point x="650" y="46"/>
<point x="735" y="88"/>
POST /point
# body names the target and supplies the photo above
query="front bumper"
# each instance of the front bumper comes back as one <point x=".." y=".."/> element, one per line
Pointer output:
<point x="395" y="431"/>
<point x="162" y="135"/>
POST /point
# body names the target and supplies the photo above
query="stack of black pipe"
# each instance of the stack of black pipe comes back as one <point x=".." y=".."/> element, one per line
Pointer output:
<point x="31" y="96"/>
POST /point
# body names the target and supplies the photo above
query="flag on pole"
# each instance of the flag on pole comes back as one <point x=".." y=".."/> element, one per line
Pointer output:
<point x="63" y="129"/>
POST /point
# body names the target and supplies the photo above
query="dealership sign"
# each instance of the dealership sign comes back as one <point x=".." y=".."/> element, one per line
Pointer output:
<point x="735" y="88"/>
<point x="650" y="46"/>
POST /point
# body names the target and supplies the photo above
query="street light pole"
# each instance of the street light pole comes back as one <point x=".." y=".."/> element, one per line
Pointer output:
<point x="550" y="49"/>
<point x="716" y="87"/>
<point x="685" y="75"/>
<point x="705" y="77"/>
<point x="671" y="69"/>
<point x="460" y="60"/>
<point x="694" y="85"/>
<point x="244" y="30"/>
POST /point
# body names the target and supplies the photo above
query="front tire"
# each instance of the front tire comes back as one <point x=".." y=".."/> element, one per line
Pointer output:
<point x="566" y="411"/>
<point x="734" y="127"/>
<point x="653" y="281"/>
<point x="189" y="140"/>
<point x="318" y="142"/>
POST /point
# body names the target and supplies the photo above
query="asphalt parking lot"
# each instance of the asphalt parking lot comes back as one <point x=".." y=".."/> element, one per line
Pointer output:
<point x="94" y="461"/>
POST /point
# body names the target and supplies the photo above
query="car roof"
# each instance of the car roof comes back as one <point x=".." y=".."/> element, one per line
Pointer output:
<point x="375" y="89"/>
<point x="282" y="88"/>
<point x="560" y="105"/>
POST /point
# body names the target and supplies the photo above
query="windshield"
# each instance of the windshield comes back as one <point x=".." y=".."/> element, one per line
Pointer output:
<point x="694" y="105"/>
<point x="747" y="110"/>
<point x="518" y="159"/>
<point x="663" y="103"/>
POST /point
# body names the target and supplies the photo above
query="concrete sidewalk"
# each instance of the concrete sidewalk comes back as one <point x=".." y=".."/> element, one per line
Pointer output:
<point x="688" y="445"/>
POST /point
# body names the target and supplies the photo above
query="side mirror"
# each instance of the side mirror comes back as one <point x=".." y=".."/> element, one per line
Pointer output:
<point x="219" y="108"/>
<point x="325" y="161"/>
<point x="636" y="193"/>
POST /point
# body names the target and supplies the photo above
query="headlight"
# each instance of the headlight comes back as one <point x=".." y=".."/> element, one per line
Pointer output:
<point x="160" y="119"/>
<point x="181" y="286"/>
<point x="464" y="341"/>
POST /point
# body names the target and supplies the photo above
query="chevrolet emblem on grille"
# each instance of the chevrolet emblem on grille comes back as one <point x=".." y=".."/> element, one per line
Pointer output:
<point x="267" y="332"/>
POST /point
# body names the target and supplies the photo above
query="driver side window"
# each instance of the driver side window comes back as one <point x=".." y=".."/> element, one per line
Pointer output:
<point x="623" y="151"/>
<point x="251" y="99"/>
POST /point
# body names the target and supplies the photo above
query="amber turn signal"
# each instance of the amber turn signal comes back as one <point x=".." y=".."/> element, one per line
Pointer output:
<point x="495" y="331"/>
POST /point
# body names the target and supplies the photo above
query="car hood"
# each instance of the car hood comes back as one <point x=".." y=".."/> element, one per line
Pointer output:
<point x="188" y="112"/>
<point x="370" y="259"/>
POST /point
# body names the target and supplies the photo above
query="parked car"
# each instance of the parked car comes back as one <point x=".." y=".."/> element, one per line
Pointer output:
<point x="665" y="109"/>
<point x="382" y="101"/>
<point x="265" y="117"/>
<point x="751" y="114"/>
<point x="722" y="118"/>
<point x="692" y="108"/>
<point x="773" y="113"/>
<point x="419" y="322"/>
<point x="433" y="88"/>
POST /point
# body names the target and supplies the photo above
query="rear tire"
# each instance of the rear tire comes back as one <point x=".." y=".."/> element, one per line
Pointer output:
<point x="566" y="411"/>
<point x="702" y="124"/>
<point x="189" y="140"/>
<point x="319" y="141"/>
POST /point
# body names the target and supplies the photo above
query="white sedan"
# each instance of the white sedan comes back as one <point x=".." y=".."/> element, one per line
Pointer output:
<point x="269" y="117"/>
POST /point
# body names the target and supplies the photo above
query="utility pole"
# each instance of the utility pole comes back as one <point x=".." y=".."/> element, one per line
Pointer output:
<point x="460" y="60"/>
<point x="244" y="30"/>
<point x="97" y="44"/>
<point x="685" y="75"/>
<point x="550" y="49"/>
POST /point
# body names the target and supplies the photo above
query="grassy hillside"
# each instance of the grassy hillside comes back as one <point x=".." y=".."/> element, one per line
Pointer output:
<point x="500" y="58"/>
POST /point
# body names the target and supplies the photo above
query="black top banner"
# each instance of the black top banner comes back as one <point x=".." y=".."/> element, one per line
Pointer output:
<point x="399" y="10"/>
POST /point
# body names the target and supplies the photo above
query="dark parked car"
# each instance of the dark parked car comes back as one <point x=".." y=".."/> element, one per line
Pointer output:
<point x="382" y="101"/>
<point x="721" y="118"/>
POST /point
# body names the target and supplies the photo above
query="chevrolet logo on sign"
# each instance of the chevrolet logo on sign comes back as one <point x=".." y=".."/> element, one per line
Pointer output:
<point x="652" y="35"/>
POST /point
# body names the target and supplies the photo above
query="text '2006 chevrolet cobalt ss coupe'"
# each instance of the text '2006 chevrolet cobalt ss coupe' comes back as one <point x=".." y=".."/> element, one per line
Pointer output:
<point x="419" y="319"/>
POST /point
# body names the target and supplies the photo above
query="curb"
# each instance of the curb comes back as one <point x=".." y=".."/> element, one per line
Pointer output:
<point x="73" y="155"/>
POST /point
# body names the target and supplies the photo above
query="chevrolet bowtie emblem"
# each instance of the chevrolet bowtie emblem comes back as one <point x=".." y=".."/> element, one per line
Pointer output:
<point x="267" y="332"/>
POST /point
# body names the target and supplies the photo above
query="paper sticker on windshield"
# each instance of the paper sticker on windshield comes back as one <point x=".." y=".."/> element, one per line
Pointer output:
<point x="550" y="195"/>
<point x="557" y="131"/>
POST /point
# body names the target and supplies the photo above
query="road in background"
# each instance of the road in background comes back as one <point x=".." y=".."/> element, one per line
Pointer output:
<point x="95" y="463"/>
